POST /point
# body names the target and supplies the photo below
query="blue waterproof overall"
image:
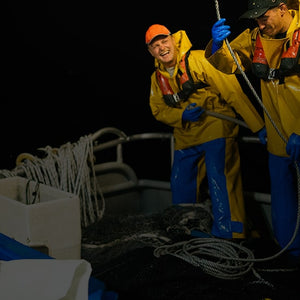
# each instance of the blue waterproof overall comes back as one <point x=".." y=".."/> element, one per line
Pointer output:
<point x="284" y="201"/>
<point x="224" y="182"/>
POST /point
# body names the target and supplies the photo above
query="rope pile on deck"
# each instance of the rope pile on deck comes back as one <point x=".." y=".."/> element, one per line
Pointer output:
<point x="69" y="168"/>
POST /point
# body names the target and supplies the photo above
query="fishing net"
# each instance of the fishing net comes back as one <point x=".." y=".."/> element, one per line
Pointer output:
<point x="115" y="235"/>
<point x="121" y="250"/>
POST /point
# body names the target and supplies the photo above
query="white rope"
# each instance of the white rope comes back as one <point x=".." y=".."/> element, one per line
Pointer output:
<point x="220" y="258"/>
<point x="71" y="169"/>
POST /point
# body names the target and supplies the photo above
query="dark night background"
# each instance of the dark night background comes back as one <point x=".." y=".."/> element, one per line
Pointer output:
<point x="72" y="68"/>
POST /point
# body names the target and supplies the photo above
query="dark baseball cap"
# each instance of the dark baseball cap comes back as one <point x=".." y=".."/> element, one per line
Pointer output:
<point x="257" y="8"/>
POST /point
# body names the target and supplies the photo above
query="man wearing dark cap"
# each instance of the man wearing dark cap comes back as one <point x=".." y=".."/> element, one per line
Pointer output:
<point x="184" y="88"/>
<point x="272" y="50"/>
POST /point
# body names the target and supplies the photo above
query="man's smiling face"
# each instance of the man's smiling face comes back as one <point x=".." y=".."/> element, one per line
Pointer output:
<point x="163" y="49"/>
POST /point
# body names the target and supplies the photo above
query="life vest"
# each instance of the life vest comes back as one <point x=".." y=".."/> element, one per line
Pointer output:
<point x="188" y="86"/>
<point x="289" y="64"/>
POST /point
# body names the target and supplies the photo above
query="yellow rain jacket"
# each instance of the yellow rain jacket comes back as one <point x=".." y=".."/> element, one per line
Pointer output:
<point x="222" y="93"/>
<point x="281" y="99"/>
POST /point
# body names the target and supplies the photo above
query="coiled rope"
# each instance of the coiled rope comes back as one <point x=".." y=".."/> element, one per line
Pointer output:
<point x="219" y="258"/>
<point x="69" y="168"/>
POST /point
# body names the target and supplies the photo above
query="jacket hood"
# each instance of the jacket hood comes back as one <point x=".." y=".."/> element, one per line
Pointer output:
<point x="183" y="45"/>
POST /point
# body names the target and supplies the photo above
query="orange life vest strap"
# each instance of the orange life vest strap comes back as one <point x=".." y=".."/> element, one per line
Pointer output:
<point x="289" y="64"/>
<point x="293" y="50"/>
<point x="164" y="84"/>
<point x="259" y="56"/>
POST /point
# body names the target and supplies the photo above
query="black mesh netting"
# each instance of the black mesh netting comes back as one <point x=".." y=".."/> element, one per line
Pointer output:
<point x="120" y="250"/>
<point x="115" y="235"/>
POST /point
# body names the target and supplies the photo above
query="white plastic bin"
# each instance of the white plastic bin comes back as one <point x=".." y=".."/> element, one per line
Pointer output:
<point x="51" y="222"/>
